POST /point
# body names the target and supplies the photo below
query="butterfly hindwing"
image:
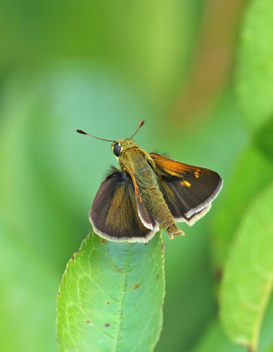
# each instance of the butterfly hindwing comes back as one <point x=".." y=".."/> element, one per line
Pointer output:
<point x="118" y="214"/>
<point x="188" y="190"/>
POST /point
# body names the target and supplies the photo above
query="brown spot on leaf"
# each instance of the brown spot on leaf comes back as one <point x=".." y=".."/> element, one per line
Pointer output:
<point x="102" y="241"/>
<point x="107" y="325"/>
<point x="136" y="286"/>
<point x="157" y="276"/>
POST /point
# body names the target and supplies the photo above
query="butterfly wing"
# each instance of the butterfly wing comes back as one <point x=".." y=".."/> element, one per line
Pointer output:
<point x="188" y="190"/>
<point x="118" y="214"/>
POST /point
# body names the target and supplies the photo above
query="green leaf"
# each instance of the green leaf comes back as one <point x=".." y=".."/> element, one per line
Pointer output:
<point x="248" y="276"/>
<point x="255" y="86"/>
<point x="111" y="297"/>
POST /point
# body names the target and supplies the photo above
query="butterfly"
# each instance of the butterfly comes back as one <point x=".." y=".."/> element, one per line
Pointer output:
<point x="149" y="191"/>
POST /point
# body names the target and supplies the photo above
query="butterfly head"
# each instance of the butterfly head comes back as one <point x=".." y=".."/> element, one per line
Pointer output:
<point x="122" y="145"/>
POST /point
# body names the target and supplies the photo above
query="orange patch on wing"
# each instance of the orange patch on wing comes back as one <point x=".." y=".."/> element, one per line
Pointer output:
<point x="186" y="183"/>
<point x="173" y="167"/>
<point x="169" y="164"/>
<point x="196" y="173"/>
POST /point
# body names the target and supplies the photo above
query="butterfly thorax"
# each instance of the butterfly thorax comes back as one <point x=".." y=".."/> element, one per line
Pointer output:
<point x="137" y="163"/>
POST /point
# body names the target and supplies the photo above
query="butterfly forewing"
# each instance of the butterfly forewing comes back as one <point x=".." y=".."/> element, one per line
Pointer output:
<point x="115" y="213"/>
<point x="188" y="190"/>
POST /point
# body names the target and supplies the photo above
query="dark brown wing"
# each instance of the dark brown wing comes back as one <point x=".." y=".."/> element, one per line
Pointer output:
<point x="188" y="190"/>
<point x="117" y="214"/>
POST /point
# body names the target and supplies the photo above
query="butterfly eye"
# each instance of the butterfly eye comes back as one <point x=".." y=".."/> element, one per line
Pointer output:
<point x="117" y="149"/>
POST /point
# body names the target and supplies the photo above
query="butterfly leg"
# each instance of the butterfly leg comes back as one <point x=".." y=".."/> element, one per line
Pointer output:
<point x="173" y="230"/>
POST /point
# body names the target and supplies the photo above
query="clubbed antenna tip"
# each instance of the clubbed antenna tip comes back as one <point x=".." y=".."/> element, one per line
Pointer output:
<point x="81" y="131"/>
<point x="140" y="125"/>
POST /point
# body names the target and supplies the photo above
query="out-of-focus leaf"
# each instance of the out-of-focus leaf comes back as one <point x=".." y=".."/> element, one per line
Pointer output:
<point x="252" y="174"/>
<point x="215" y="340"/>
<point x="264" y="139"/>
<point x="248" y="276"/>
<point x="148" y="42"/>
<point x="35" y="214"/>
<point x="27" y="293"/>
<point x="266" y="340"/>
<point x="255" y="85"/>
<point x="111" y="297"/>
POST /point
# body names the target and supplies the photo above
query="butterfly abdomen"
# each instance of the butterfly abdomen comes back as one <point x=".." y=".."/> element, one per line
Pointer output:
<point x="154" y="202"/>
<point x="162" y="214"/>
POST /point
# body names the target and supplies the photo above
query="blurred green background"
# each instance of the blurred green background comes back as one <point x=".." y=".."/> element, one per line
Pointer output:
<point x="199" y="72"/>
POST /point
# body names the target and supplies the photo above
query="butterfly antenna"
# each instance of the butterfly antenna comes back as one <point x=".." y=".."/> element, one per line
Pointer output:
<point x="140" y="125"/>
<point x="87" y="134"/>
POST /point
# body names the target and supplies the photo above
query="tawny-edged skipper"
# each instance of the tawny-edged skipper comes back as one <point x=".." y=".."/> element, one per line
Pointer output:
<point x="149" y="191"/>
